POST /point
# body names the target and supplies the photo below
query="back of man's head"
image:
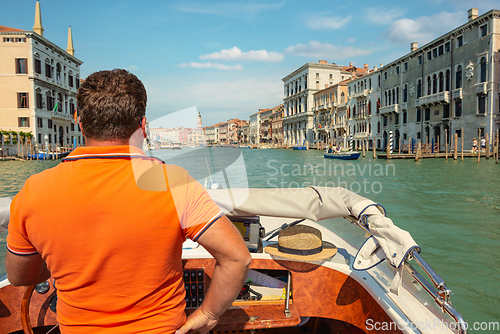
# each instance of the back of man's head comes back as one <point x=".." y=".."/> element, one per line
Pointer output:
<point x="111" y="105"/>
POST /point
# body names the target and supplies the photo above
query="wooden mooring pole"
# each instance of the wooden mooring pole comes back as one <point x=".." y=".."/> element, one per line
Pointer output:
<point x="446" y="144"/>
<point x="455" y="148"/>
<point x="497" y="142"/>
<point x="487" y="146"/>
<point x="479" y="146"/>
<point x="462" y="135"/>
<point x="388" y="148"/>
<point x="374" y="150"/>
<point x="363" y="144"/>
<point x="419" y="151"/>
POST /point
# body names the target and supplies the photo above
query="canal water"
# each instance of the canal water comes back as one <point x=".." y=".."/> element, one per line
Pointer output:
<point x="451" y="208"/>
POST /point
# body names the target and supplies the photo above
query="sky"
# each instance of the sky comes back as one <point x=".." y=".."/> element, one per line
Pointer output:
<point x="227" y="58"/>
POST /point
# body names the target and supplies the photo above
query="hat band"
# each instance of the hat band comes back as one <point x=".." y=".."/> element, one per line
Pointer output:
<point x="300" y="251"/>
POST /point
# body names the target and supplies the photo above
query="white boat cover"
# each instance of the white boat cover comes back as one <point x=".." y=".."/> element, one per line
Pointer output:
<point x="388" y="242"/>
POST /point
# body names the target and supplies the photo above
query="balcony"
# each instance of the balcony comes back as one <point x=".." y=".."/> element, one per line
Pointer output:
<point x="363" y="93"/>
<point x="457" y="94"/>
<point x="360" y="135"/>
<point x="433" y="99"/>
<point x="404" y="106"/>
<point x="481" y="88"/>
<point x="61" y="116"/>
<point x="298" y="116"/>
<point x="393" y="108"/>
<point x="361" y="115"/>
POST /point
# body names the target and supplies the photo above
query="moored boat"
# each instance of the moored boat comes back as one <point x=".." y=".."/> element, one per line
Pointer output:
<point x="352" y="276"/>
<point x="347" y="155"/>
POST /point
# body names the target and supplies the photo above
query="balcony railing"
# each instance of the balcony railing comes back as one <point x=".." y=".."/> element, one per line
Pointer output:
<point x="393" y="108"/>
<point x="481" y="88"/>
<point x="457" y="94"/>
<point x="362" y="93"/>
<point x="359" y="135"/>
<point x="404" y="106"/>
<point x="441" y="97"/>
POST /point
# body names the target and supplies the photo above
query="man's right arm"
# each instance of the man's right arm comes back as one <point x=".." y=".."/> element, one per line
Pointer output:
<point x="226" y="245"/>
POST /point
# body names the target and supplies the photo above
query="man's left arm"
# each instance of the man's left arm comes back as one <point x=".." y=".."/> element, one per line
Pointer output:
<point x="25" y="270"/>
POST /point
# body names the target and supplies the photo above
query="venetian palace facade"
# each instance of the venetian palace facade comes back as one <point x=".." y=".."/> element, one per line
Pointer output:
<point x="449" y="84"/>
<point x="38" y="85"/>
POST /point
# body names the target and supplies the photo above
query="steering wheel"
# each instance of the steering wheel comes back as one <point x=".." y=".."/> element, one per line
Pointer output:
<point x="25" y="312"/>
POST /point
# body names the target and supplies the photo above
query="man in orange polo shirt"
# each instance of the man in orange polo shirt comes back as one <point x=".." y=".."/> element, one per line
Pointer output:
<point x="114" y="241"/>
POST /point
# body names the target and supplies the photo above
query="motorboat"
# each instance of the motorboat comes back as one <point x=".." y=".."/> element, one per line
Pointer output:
<point x="365" y="283"/>
<point x="346" y="155"/>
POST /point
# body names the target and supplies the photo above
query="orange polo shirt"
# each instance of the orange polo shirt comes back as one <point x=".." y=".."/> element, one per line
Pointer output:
<point x="110" y="223"/>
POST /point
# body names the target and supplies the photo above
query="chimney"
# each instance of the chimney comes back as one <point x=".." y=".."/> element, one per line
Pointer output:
<point x="350" y="64"/>
<point x="323" y="62"/>
<point x="414" y="46"/>
<point x="472" y="14"/>
<point x="381" y="65"/>
<point x="375" y="68"/>
<point x="366" y="67"/>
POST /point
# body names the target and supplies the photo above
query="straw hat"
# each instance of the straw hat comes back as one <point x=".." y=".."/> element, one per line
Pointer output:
<point x="303" y="243"/>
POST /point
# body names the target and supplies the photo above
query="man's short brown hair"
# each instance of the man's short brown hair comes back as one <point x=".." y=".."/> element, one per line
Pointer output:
<point x="111" y="105"/>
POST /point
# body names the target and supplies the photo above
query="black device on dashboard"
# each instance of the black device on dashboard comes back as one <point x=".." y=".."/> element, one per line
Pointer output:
<point x="251" y="230"/>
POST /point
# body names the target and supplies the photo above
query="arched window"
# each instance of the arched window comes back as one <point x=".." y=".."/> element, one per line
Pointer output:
<point x="441" y="82"/>
<point x="385" y="98"/>
<point x="370" y="83"/>
<point x="419" y="88"/>
<point x="458" y="80"/>
<point x="429" y="85"/>
<point x="378" y="127"/>
<point x="379" y="80"/>
<point x="434" y="84"/>
<point x="482" y="66"/>
<point x="397" y="94"/>
<point x="389" y="98"/>
<point x="369" y="108"/>
<point x="393" y="96"/>
<point x="342" y="96"/>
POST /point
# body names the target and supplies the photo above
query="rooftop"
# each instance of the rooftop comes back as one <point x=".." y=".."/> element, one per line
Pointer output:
<point x="9" y="29"/>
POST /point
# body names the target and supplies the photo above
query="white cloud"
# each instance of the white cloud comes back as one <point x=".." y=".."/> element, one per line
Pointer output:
<point x="423" y="29"/>
<point x="217" y="100"/>
<point x="318" y="50"/>
<point x="324" y="22"/>
<point x="382" y="16"/>
<point x="212" y="65"/>
<point x="351" y="40"/>
<point x="236" y="54"/>
<point x="131" y="68"/>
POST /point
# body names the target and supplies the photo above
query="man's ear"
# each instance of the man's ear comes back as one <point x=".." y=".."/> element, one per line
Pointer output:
<point x="81" y="129"/>
<point x="143" y="126"/>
